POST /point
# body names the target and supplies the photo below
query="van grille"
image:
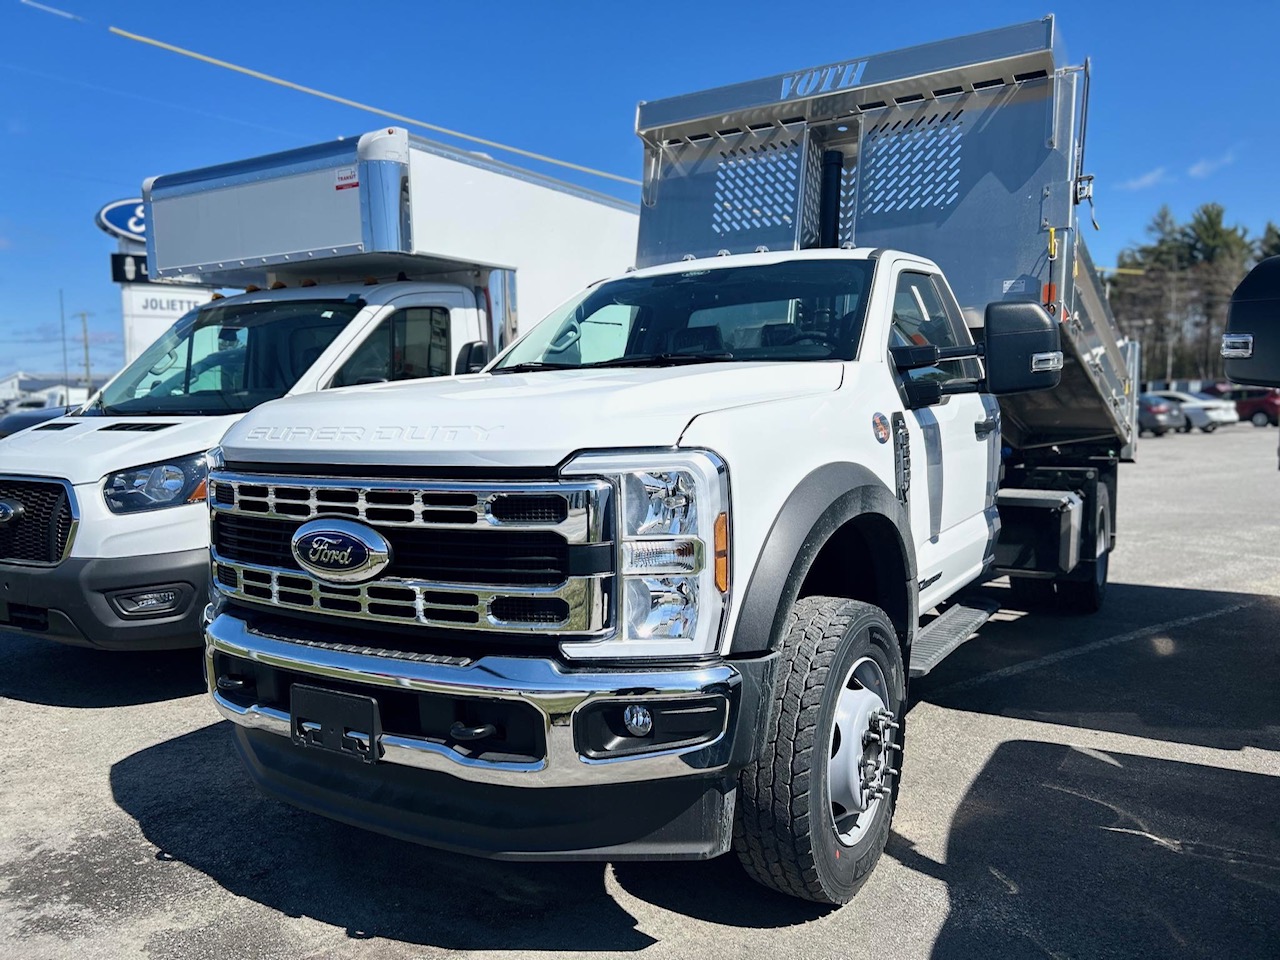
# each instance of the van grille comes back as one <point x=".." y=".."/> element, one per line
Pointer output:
<point x="40" y="532"/>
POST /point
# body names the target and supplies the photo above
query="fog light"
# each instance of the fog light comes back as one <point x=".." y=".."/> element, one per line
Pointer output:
<point x="638" y="719"/>
<point x="148" y="604"/>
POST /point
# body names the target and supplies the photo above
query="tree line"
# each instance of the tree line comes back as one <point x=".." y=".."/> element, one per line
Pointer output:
<point x="1172" y="293"/>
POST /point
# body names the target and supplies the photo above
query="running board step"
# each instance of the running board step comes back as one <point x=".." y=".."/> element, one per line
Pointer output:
<point x="947" y="632"/>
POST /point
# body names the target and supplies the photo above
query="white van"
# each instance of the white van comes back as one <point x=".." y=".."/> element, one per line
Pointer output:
<point x="103" y="530"/>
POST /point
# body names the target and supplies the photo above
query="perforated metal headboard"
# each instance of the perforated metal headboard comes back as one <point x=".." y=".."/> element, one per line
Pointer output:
<point x="922" y="150"/>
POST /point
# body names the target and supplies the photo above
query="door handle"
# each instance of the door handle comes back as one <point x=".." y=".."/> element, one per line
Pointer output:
<point x="983" y="428"/>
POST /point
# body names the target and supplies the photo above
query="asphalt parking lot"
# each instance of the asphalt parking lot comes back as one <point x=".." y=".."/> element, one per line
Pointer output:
<point x="1074" y="787"/>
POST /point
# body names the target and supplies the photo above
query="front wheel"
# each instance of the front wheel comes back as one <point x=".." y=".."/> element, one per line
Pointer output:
<point x="1260" y="419"/>
<point x="814" y="809"/>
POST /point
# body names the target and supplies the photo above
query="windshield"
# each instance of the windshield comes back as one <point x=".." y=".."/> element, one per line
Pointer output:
<point x="226" y="359"/>
<point x="798" y="310"/>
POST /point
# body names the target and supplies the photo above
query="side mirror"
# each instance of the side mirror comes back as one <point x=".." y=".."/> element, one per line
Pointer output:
<point x="1023" y="348"/>
<point x="1251" y="345"/>
<point x="473" y="357"/>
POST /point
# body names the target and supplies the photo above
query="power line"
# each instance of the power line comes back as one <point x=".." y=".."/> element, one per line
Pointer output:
<point x="290" y="85"/>
<point x="333" y="98"/>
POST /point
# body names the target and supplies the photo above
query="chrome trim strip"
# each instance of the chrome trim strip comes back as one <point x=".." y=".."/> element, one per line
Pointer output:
<point x="554" y="692"/>
<point x="72" y="503"/>
<point x="585" y="597"/>
<point x="584" y="523"/>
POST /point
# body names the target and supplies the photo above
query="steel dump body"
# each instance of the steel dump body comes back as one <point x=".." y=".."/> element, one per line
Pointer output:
<point x="965" y="151"/>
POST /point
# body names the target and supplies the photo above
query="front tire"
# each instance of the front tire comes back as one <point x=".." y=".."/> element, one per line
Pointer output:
<point x="1260" y="419"/>
<point x="814" y="809"/>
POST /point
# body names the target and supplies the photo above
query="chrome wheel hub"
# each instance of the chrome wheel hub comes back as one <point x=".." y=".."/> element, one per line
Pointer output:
<point x="863" y="742"/>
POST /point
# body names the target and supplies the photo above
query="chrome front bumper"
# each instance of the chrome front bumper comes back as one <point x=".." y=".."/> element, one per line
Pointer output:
<point x="556" y="694"/>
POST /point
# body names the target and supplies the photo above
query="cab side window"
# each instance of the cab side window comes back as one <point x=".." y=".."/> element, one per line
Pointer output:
<point x="920" y="318"/>
<point x="408" y="345"/>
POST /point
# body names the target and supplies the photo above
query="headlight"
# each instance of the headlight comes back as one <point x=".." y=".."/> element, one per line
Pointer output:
<point x="156" y="485"/>
<point x="673" y="581"/>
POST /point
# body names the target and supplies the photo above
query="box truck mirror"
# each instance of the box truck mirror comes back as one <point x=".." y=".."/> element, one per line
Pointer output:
<point x="1023" y="348"/>
<point x="1251" y="345"/>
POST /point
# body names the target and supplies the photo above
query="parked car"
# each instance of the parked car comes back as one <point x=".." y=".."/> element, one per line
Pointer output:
<point x="1201" y="411"/>
<point x="26" y="403"/>
<point x="22" y="418"/>
<point x="1157" y="416"/>
<point x="1259" y="405"/>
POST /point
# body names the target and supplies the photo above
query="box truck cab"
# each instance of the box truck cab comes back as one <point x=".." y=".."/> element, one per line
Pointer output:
<point x="103" y="534"/>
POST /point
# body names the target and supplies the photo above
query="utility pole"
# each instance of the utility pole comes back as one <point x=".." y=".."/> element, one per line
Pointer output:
<point x="62" y="317"/>
<point x="84" y="316"/>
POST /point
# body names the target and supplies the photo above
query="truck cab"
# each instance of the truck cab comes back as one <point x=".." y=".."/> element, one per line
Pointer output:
<point x="653" y="584"/>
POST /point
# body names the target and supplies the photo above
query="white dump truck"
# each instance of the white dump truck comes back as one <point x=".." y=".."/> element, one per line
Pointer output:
<point x="381" y="258"/>
<point x="653" y="584"/>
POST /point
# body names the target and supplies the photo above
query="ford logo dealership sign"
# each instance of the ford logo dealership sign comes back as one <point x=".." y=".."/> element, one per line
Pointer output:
<point x="126" y="219"/>
<point x="340" y="551"/>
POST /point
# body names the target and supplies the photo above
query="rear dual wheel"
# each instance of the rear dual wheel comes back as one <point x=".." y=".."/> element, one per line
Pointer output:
<point x="814" y="810"/>
<point x="1086" y="596"/>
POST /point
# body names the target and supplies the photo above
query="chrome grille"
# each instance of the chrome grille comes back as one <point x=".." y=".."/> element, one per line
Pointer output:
<point x="497" y="557"/>
<point x="574" y="510"/>
<point x="516" y="557"/>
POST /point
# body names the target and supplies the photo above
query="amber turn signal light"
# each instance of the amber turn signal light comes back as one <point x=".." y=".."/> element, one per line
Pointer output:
<point x="722" y="553"/>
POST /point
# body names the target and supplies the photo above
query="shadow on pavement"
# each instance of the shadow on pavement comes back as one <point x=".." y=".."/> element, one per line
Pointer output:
<point x="192" y="800"/>
<point x="1058" y="852"/>
<point x="1204" y="679"/>
<point x="41" y="671"/>
<point x="717" y="891"/>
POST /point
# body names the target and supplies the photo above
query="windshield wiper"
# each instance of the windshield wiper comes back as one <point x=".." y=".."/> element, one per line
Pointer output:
<point x="663" y="360"/>
<point x="533" y="365"/>
<point x="96" y="408"/>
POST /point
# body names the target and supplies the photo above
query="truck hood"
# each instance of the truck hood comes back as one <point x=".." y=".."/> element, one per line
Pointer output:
<point x="511" y="420"/>
<point x="89" y="448"/>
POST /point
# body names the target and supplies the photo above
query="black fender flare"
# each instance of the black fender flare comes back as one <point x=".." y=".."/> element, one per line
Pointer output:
<point x="823" y="502"/>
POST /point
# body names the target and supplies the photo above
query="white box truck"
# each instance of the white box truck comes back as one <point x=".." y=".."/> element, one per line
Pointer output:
<point x="381" y="258"/>
<point x="653" y="585"/>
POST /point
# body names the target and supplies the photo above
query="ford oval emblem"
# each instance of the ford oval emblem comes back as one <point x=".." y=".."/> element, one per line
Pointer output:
<point x="340" y="551"/>
<point x="126" y="219"/>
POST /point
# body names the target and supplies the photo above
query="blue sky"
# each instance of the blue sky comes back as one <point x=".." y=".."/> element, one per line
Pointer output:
<point x="1182" y="107"/>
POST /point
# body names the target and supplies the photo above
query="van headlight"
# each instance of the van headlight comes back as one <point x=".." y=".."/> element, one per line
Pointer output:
<point x="673" y="552"/>
<point x="170" y="483"/>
